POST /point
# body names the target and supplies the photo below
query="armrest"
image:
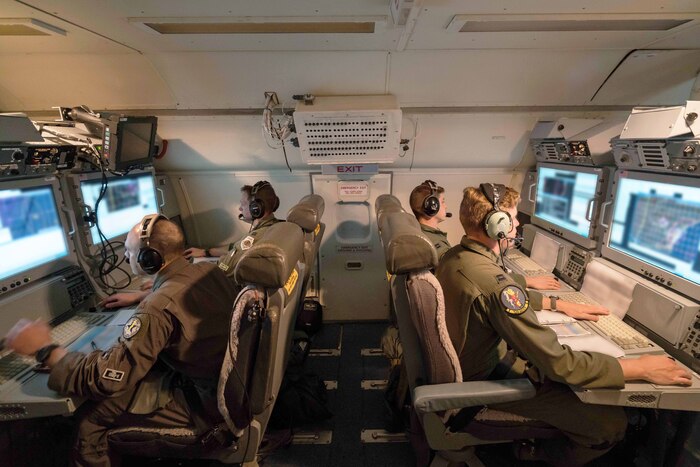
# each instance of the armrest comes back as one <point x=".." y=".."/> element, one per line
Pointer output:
<point x="439" y="397"/>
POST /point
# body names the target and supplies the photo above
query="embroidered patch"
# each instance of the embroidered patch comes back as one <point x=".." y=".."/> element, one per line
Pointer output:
<point x="223" y="266"/>
<point x="131" y="328"/>
<point x="514" y="300"/>
<point x="247" y="242"/>
<point x="114" y="375"/>
<point x="317" y="229"/>
<point x="501" y="278"/>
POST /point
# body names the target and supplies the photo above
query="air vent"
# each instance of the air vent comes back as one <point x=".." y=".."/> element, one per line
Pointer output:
<point x="28" y="27"/>
<point x="349" y="129"/>
<point x="653" y="154"/>
<point x="642" y="400"/>
<point x="261" y="25"/>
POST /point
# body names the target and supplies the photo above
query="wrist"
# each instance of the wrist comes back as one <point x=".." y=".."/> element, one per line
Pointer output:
<point x="207" y="252"/>
<point x="43" y="354"/>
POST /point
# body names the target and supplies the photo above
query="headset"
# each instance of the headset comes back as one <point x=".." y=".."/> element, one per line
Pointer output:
<point x="257" y="205"/>
<point x="497" y="223"/>
<point x="431" y="203"/>
<point x="149" y="259"/>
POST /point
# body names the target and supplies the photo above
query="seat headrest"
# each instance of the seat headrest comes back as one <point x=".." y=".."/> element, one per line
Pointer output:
<point x="273" y="256"/>
<point x="307" y="212"/>
<point x="386" y="204"/>
<point x="406" y="248"/>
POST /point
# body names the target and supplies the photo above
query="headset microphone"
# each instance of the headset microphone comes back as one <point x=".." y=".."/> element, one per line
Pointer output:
<point x="240" y="217"/>
<point x="448" y="214"/>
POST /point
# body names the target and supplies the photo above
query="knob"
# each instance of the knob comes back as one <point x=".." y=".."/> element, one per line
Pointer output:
<point x="17" y="156"/>
<point x="692" y="168"/>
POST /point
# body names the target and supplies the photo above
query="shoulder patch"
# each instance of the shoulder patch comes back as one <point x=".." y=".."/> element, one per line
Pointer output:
<point x="247" y="242"/>
<point x="114" y="375"/>
<point x="514" y="300"/>
<point x="131" y="328"/>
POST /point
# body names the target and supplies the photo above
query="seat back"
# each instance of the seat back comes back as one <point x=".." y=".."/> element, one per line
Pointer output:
<point x="419" y="303"/>
<point x="261" y="330"/>
<point x="307" y="214"/>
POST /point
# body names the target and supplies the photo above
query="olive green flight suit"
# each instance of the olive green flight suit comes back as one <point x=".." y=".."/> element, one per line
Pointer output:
<point x="438" y="238"/>
<point x="179" y="331"/>
<point x="486" y="308"/>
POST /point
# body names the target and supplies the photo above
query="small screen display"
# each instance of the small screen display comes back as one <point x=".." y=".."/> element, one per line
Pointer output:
<point x="125" y="202"/>
<point x="658" y="223"/>
<point x="134" y="141"/>
<point x="30" y="230"/>
<point x="563" y="198"/>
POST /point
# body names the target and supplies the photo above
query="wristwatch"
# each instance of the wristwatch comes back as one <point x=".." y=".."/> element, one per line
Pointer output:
<point x="553" y="302"/>
<point x="207" y="253"/>
<point x="44" y="353"/>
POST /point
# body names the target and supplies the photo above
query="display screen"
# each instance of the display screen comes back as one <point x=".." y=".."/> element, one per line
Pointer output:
<point x="135" y="141"/>
<point x="125" y="202"/>
<point x="30" y="230"/>
<point x="658" y="223"/>
<point x="563" y="198"/>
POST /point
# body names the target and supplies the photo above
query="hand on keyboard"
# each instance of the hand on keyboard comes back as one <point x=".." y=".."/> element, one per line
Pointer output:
<point x="123" y="299"/>
<point x="542" y="282"/>
<point x="657" y="369"/>
<point x="27" y="336"/>
<point x="581" y="310"/>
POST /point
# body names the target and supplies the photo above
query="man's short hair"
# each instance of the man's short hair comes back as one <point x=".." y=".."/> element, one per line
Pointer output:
<point x="417" y="197"/>
<point x="266" y="194"/>
<point x="475" y="206"/>
<point x="168" y="239"/>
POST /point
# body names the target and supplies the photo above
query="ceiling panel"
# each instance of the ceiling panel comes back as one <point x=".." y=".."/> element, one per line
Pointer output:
<point x="499" y="77"/>
<point x="239" y="79"/>
<point x="99" y="81"/>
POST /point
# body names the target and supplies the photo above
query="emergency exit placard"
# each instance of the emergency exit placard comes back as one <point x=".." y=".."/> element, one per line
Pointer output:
<point x="353" y="190"/>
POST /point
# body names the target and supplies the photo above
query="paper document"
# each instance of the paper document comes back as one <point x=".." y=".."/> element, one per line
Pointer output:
<point x="592" y="343"/>
<point x="569" y="330"/>
<point x="608" y="287"/>
<point x="553" y="317"/>
<point x="545" y="251"/>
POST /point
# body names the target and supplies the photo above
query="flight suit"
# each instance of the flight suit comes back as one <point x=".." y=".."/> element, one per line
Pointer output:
<point x="228" y="262"/>
<point x="484" y="309"/>
<point x="178" y="333"/>
<point x="438" y="238"/>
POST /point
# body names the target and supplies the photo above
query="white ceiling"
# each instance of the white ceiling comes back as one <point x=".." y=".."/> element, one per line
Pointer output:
<point x="107" y="61"/>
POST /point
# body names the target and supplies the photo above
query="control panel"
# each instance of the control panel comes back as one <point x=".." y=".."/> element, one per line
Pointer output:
<point x="575" y="266"/>
<point x="673" y="155"/>
<point x="33" y="160"/>
<point x="12" y="161"/>
<point x="691" y="345"/>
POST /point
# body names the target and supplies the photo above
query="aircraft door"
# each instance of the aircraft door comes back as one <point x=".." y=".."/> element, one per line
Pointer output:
<point x="353" y="283"/>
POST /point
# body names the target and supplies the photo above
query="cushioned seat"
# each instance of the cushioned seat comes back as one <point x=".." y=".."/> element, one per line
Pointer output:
<point x="439" y="395"/>
<point x="260" y="332"/>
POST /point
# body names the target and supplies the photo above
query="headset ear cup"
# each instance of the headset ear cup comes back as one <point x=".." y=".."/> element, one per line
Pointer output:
<point x="431" y="206"/>
<point x="277" y="203"/>
<point x="150" y="260"/>
<point x="257" y="209"/>
<point x="498" y="224"/>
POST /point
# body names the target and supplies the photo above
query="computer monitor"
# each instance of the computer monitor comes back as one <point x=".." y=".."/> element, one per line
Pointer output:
<point x="655" y="229"/>
<point x="126" y="200"/>
<point x="568" y="200"/>
<point x="33" y="240"/>
<point x="129" y="142"/>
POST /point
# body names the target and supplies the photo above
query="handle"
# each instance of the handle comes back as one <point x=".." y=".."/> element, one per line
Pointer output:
<point x="162" y="197"/>
<point x="589" y="209"/>
<point x="603" y="209"/>
<point x="68" y="212"/>
<point x="529" y="193"/>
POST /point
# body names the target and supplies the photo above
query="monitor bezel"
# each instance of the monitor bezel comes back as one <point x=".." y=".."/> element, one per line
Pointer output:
<point x="649" y="271"/>
<point x="119" y="164"/>
<point x="591" y="241"/>
<point x="84" y="234"/>
<point x="18" y="280"/>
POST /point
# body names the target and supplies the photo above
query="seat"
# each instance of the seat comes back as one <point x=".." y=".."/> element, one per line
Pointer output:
<point x="307" y="214"/>
<point x="439" y="396"/>
<point x="260" y="337"/>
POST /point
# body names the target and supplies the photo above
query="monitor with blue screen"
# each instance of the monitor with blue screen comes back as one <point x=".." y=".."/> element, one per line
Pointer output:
<point x="126" y="200"/>
<point x="33" y="241"/>
<point x="566" y="201"/>
<point x="655" y="229"/>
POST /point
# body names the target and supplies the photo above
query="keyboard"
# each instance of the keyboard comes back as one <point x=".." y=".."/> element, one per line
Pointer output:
<point x="612" y="327"/>
<point x="13" y="365"/>
<point x="526" y="266"/>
